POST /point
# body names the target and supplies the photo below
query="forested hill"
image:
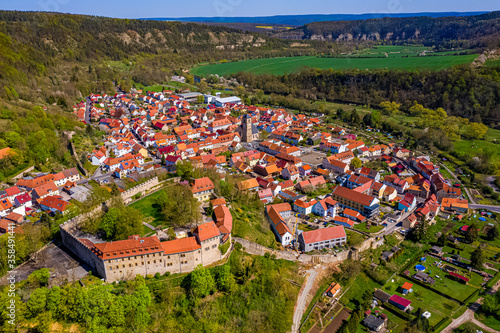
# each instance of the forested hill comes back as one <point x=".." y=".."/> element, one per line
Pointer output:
<point x="35" y="45"/>
<point x="464" y="31"/>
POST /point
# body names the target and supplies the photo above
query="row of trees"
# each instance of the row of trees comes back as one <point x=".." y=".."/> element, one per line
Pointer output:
<point x="461" y="91"/>
<point x="248" y="294"/>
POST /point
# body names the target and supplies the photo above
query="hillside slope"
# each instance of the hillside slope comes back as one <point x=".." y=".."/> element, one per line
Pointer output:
<point x="69" y="55"/>
<point x="467" y="31"/>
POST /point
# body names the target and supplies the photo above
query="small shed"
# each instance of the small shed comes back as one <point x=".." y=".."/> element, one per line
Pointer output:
<point x="381" y="295"/>
<point x="400" y="302"/>
<point x="437" y="250"/>
<point x="373" y="323"/>
<point x="407" y="287"/>
<point x="458" y="277"/>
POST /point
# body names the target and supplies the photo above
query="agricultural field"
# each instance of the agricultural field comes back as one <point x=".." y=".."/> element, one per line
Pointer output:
<point x="284" y="65"/>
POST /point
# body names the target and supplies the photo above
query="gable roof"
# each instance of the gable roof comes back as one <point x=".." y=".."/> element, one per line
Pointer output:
<point x="202" y="184"/>
<point x="320" y="235"/>
<point x="206" y="231"/>
<point x="132" y="246"/>
<point x="180" y="245"/>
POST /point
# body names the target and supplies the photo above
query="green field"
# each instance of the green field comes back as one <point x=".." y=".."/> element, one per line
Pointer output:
<point x="472" y="147"/>
<point x="492" y="63"/>
<point x="423" y="298"/>
<point x="280" y="66"/>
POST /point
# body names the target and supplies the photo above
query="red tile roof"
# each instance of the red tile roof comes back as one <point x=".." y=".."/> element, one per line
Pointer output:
<point x="224" y="219"/>
<point x="206" y="231"/>
<point x="320" y="235"/>
<point x="180" y="245"/>
<point x="54" y="203"/>
<point x="130" y="247"/>
<point x="202" y="184"/>
<point x="352" y="195"/>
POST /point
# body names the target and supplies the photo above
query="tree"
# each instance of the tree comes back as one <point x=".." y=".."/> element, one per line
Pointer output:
<point x="477" y="258"/>
<point x="472" y="234"/>
<point x="120" y="222"/>
<point x="390" y="108"/>
<point x="263" y="135"/>
<point x="340" y="113"/>
<point x="356" y="163"/>
<point x="224" y="278"/>
<point x="115" y="191"/>
<point x="185" y="170"/>
<point x="492" y="233"/>
<point x="163" y="161"/>
<point x="475" y="131"/>
<point x="441" y="240"/>
<point x="201" y="282"/>
<point x="178" y="205"/>
<point x="355" y="118"/>
<point x="353" y="323"/>
<point x="39" y="277"/>
<point x="419" y="233"/>
<point x="37" y="301"/>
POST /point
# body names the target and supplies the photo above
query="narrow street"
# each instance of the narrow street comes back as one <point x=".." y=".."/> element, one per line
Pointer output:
<point x="302" y="303"/>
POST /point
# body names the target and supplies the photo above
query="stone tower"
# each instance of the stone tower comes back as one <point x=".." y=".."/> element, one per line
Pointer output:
<point x="246" y="129"/>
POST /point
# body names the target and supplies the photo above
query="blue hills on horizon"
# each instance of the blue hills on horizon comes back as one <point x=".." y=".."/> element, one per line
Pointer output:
<point x="298" y="20"/>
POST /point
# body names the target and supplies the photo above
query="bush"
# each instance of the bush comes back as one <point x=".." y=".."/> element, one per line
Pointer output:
<point x="238" y="246"/>
<point x="149" y="276"/>
<point x="223" y="248"/>
<point x="157" y="275"/>
<point x="166" y="274"/>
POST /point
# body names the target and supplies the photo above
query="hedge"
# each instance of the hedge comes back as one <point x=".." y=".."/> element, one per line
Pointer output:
<point x="397" y="312"/>
<point x="442" y="324"/>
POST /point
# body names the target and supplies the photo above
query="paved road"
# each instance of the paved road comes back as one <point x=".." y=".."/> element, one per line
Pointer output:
<point x="495" y="209"/>
<point x="468" y="316"/>
<point x="302" y="301"/>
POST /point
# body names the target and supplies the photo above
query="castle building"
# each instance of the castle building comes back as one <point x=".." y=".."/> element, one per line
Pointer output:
<point x="123" y="260"/>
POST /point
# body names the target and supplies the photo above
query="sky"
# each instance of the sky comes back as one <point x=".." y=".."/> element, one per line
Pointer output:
<point x="229" y="8"/>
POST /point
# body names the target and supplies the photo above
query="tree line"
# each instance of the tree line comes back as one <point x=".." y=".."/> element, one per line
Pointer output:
<point x="461" y="91"/>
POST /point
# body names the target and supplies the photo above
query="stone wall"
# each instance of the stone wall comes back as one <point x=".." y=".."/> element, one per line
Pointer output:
<point x="81" y="250"/>
<point x="257" y="249"/>
<point x="141" y="188"/>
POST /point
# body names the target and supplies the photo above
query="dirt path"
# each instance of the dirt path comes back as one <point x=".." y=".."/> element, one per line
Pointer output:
<point x="301" y="305"/>
<point x="468" y="315"/>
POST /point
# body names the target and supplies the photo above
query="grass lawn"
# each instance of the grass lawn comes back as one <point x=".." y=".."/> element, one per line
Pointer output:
<point x="146" y="230"/>
<point x="489" y="321"/>
<point x="148" y="207"/>
<point x="252" y="225"/>
<point x="492" y="63"/>
<point x="284" y="65"/>
<point x="472" y="147"/>
<point x="422" y="298"/>
<point x="357" y="287"/>
<point x="373" y="228"/>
